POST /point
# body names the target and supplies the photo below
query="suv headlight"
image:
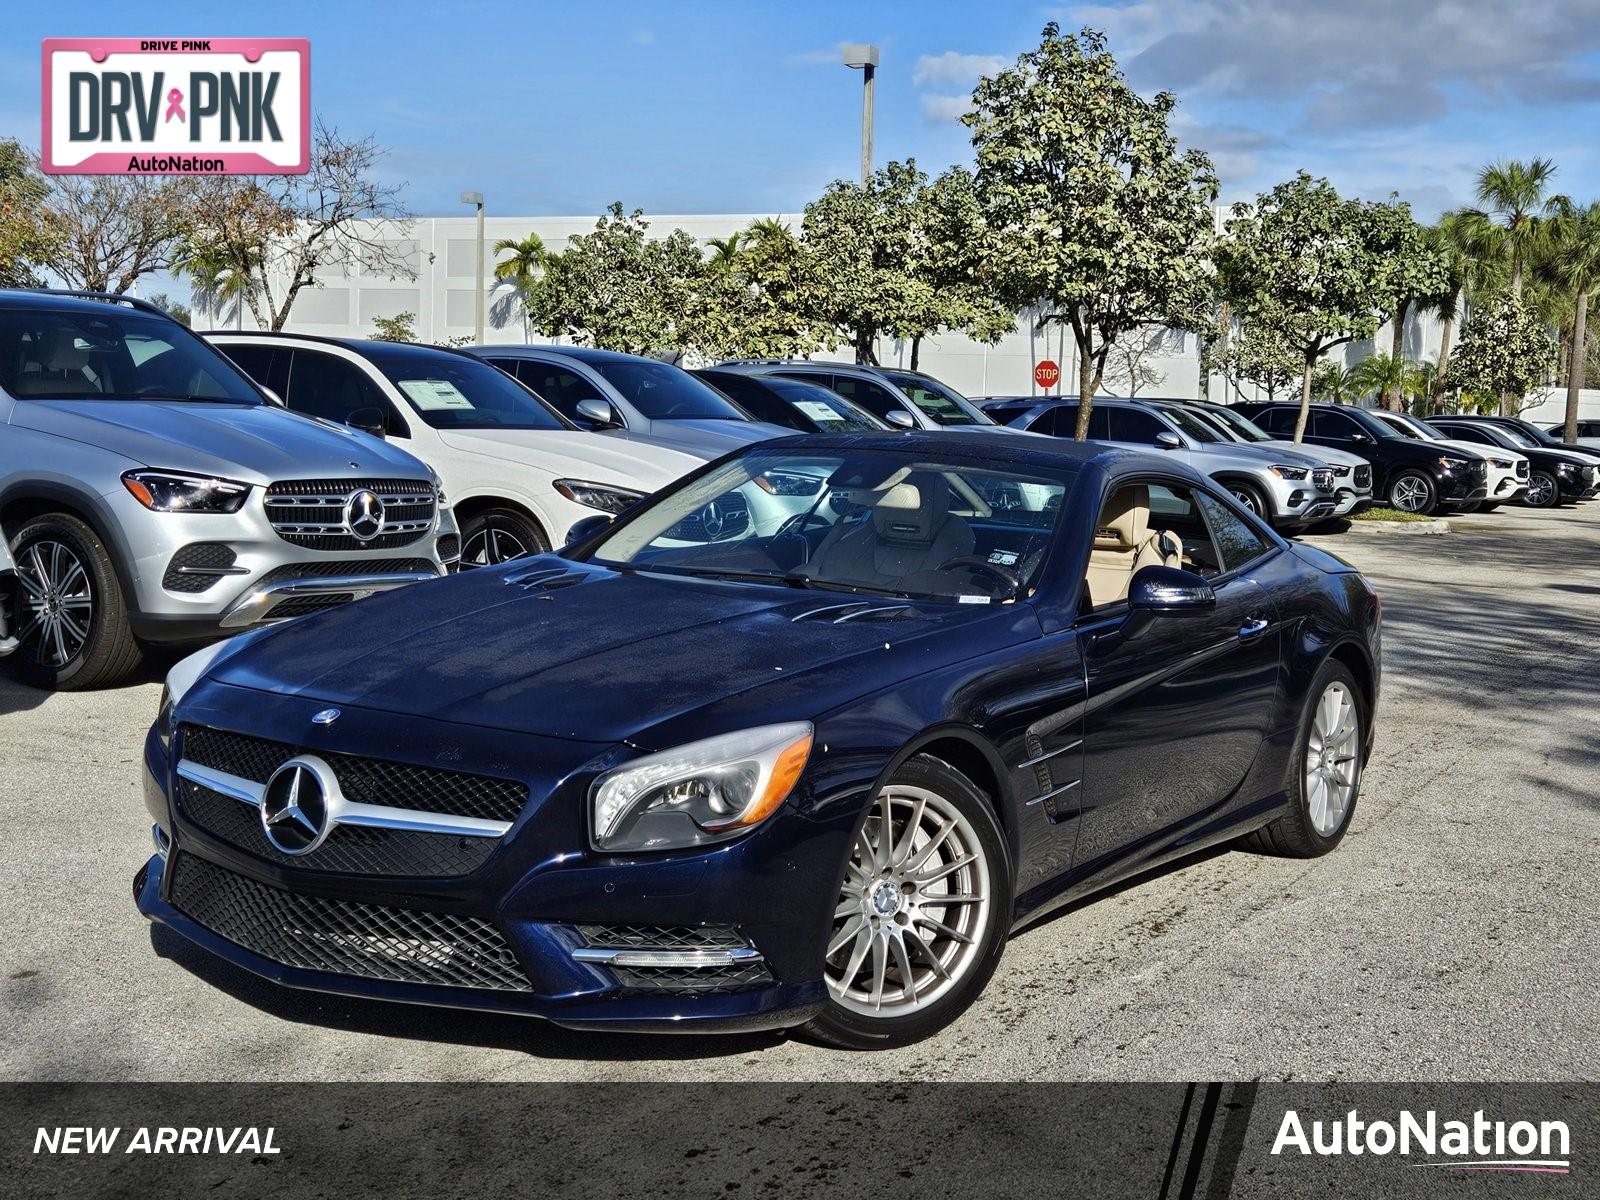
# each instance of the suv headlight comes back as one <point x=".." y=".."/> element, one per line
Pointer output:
<point x="703" y="792"/>
<point x="598" y="495"/>
<point x="1284" y="472"/>
<point x="173" y="491"/>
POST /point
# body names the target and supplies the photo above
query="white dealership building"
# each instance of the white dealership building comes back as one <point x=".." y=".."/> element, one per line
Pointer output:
<point x="442" y="253"/>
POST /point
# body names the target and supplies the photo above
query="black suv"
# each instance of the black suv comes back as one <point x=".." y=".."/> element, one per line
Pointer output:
<point x="1556" y="474"/>
<point x="1412" y="476"/>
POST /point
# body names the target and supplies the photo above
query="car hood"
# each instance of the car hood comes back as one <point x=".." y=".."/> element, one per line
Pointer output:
<point x="1478" y="450"/>
<point x="251" y="443"/>
<point x="708" y="439"/>
<point x="574" y="453"/>
<point x="1318" y="454"/>
<point x="563" y="649"/>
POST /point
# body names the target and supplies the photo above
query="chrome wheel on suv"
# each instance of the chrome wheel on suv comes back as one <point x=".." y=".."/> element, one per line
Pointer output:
<point x="498" y="535"/>
<point x="57" y="608"/>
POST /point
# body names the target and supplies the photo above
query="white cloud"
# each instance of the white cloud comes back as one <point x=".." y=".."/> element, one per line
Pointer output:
<point x="936" y="110"/>
<point x="952" y="69"/>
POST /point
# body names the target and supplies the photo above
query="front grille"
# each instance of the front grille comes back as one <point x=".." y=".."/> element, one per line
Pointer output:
<point x="1364" y="477"/>
<point x="348" y="850"/>
<point x="1522" y="469"/>
<point x="345" y="937"/>
<point x="1480" y="469"/>
<point x="303" y="606"/>
<point x="367" y="780"/>
<point x="189" y="570"/>
<point x="311" y="512"/>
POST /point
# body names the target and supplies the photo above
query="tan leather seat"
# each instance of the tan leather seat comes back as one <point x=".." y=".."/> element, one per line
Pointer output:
<point x="1124" y="543"/>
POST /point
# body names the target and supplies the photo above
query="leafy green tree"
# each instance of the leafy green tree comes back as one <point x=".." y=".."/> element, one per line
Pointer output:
<point x="1574" y="261"/>
<point x="620" y="289"/>
<point x="725" y="251"/>
<point x="1415" y="271"/>
<point x="765" y="304"/>
<point x="1097" y="217"/>
<point x="1306" y="270"/>
<point x="402" y="327"/>
<point x="1384" y="375"/>
<point x="522" y="270"/>
<point x="1505" y="351"/>
<point x="28" y="238"/>
<point x="1256" y="356"/>
<point x="178" y="311"/>
<point x="948" y="256"/>
<point x="115" y="229"/>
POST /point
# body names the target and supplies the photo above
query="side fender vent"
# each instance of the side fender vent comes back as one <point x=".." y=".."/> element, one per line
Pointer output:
<point x="548" y="579"/>
<point x="838" y="614"/>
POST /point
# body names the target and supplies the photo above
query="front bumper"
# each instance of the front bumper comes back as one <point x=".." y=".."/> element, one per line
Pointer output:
<point x="541" y="904"/>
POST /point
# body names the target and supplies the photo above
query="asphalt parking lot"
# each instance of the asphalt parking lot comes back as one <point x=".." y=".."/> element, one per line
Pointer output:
<point x="1452" y="937"/>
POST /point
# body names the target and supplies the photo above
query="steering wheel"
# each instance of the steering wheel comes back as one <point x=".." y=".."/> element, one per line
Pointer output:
<point x="800" y="522"/>
<point x="977" y="562"/>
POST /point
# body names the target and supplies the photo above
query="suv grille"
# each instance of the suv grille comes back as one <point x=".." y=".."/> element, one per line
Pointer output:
<point x="197" y="567"/>
<point x="367" y="780"/>
<point x="346" y="937"/>
<point x="1522" y="468"/>
<point x="1364" y="477"/>
<point x="311" y="512"/>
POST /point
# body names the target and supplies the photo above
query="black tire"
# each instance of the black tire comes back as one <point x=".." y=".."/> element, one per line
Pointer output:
<point x="1471" y="506"/>
<point x="1293" y="834"/>
<point x="490" y="536"/>
<point x="108" y="653"/>
<point x="1249" y="495"/>
<point x="1543" y="491"/>
<point x="1419" y="484"/>
<point x="1490" y="506"/>
<point x="841" y="1026"/>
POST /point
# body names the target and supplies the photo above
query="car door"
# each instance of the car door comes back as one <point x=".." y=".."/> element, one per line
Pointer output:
<point x="326" y="385"/>
<point x="1176" y="714"/>
<point x="561" y="387"/>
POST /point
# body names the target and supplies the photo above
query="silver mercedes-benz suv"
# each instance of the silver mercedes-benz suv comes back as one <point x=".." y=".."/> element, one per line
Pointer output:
<point x="151" y="493"/>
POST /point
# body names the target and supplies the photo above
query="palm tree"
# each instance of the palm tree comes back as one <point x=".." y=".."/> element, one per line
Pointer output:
<point x="725" y="252"/>
<point x="764" y="229"/>
<point x="1333" y="382"/>
<point x="1574" y="261"/>
<point x="528" y="261"/>
<point x="216" y="279"/>
<point x="1515" y="212"/>
<point x="1383" y="373"/>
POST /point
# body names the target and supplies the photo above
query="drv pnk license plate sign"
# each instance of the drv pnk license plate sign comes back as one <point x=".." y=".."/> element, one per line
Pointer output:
<point x="175" y="106"/>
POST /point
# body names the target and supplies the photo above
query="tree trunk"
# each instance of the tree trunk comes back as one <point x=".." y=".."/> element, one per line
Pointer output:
<point x="1444" y="360"/>
<point x="1397" y="349"/>
<point x="1085" y="386"/>
<point x="1580" y="320"/>
<point x="916" y="350"/>
<point x="1305" y="399"/>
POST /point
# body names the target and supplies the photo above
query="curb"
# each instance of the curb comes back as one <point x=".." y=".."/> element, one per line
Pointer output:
<point x="1433" y="528"/>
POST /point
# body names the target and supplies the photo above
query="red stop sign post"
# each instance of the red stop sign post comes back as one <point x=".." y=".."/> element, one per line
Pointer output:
<point x="1047" y="374"/>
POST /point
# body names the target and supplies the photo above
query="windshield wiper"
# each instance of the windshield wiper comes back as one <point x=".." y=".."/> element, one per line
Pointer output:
<point x="792" y="579"/>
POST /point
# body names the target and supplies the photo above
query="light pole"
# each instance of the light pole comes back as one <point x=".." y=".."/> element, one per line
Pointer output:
<point x="864" y="58"/>
<point x="476" y="198"/>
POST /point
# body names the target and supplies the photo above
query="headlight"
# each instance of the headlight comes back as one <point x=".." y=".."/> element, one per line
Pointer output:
<point x="598" y="495"/>
<point x="170" y="491"/>
<point x="1450" y="464"/>
<point x="1283" y="472"/>
<point x="438" y="488"/>
<point x="1566" y="468"/>
<point x="702" y="792"/>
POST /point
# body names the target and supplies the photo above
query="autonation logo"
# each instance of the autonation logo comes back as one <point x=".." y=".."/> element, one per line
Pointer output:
<point x="1476" y="1145"/>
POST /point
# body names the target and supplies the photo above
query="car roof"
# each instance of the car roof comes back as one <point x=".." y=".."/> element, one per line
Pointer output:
<point x="363" y="346"/>
<point x="583" y="354"/>
<point x="1045" y="453"/>
<point x="765" y="366"/>
<point x="66" y="301"/>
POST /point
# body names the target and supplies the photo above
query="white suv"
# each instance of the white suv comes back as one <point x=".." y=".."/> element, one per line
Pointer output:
<point x="518" y="474"/>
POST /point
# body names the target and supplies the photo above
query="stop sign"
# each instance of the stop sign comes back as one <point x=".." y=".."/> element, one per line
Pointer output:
<point x="1047" y="374"/>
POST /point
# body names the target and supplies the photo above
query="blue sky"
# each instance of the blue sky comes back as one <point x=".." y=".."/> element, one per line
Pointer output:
<point x="712" y="106"/>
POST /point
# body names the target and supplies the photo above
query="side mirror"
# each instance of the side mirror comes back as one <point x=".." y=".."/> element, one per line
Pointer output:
<point x="1166" y="440"/>
<point x="899" y="418"/>
<point x="368" y="420"/>
<point x="598" y="413"/>
<point x="1360" y="439"/>
<point x="1165" y="592"/>
<point x="273" y="397"/>
<point x="587" y="528"/>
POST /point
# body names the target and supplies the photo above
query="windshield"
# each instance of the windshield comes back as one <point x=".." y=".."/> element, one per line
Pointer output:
<point x="1515" y="435"/>
<point x="453" y="391"/>
<point x="945" y="405"/>
<point x="1199" y="430"/>
<point x="877" y="522"/>
<point x="663" y="392"/>
<point x="1406" y="427"/>
<point x="111" y="353"/>
<point x="828" y="411"/>
<point x="1239" y="424"/>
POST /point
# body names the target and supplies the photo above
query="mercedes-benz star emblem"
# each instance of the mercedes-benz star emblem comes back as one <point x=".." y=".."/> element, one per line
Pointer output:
<point x="294" y="806"/>
<point x="326" y="717"/>
<point x="711" y="520"/>
<point x="363" y="516"/>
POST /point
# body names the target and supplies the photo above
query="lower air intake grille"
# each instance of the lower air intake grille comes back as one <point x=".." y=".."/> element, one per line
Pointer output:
<point x="346" y="937"/>
<point x="662" y="937"/>
<point x="197" y="566"/>
<point x="300" y="606"/>
<point x="734" y="978"/>
<point x="718" y="978"/>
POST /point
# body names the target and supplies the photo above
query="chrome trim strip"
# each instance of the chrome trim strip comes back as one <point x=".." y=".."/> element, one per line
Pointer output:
<point x="826" y="608"/>
<point x="1065" y="787"/>
<point x="211" y="570"/>
<point x="350" y="812"/>
<point x="665" y="957"/>
<point x="867" y="612"/>
<point x="159" y="836"/>
<point x="1048" y="754"/>
<point x="258" y="603"/>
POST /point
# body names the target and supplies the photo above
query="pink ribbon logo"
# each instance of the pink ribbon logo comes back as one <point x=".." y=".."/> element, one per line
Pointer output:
<point x="175" y="105"/>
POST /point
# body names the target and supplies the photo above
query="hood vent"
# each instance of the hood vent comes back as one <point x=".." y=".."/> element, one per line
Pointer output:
<point x="838" y="614"/>
<point x="548" y="579"/>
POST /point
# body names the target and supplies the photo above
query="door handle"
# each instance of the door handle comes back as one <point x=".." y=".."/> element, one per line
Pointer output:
<point x="1252" y="627"/>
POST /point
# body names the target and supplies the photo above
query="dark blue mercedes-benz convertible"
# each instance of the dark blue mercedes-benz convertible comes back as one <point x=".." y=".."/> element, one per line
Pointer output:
<point x="800" y="740"/>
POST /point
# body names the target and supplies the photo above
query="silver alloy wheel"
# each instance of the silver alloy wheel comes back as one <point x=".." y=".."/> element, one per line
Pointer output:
<point x="58" y="596"/>
<point x="1410" y="494"/>
<point x="1539" y="489"/>
<point x="1333" y="759"/>
<point x="913" y="907"/>
<point x="1247" y="498"/>
<point x="491" y="545"/>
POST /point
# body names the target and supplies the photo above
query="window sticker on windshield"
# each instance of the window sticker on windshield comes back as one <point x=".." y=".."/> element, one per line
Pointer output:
<point x="1003" y="558"/>
<point x="434" y="393"/>
<point x="816" y="410"/>
<point x="974" y="599"/>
